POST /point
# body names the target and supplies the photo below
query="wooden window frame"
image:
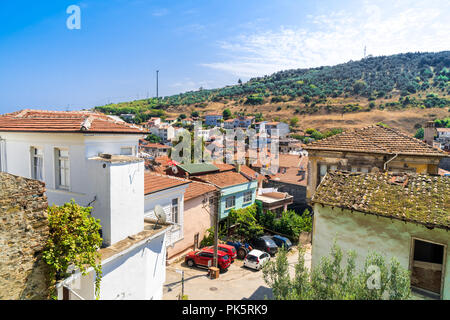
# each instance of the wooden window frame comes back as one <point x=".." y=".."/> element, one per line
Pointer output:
<point x="444" y="260"/>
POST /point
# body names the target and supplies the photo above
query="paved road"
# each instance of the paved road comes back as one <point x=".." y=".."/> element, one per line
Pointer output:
<point x="236" y="284"/>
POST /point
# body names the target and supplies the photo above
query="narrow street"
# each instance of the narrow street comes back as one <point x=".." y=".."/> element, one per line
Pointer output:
<point x="238" y="283"/>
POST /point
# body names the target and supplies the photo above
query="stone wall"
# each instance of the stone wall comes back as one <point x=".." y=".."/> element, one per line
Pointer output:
<point x="23" y="234"/>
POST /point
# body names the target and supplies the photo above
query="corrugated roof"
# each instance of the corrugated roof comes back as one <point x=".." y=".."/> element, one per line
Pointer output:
<point x="416" y="198"/>
<point x="375" y="139"/>
<point x="65" y="121"/>
<point x="193" y="168"/>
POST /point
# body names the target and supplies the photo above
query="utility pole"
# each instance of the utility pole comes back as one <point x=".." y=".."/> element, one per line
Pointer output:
<point x="157" y="75"/>
<point x="216" y="230"/>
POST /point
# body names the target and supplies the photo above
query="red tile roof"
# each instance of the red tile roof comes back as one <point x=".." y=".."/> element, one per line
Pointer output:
<point x="196" y="189"/>
<point x="154" y="182"/>
<point x="223" y="179"/>
<point x="65" y="121"/>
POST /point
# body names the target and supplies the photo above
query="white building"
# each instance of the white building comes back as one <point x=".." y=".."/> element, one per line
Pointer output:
<point x="91" y="158"/>
<point x="164" y="131"/>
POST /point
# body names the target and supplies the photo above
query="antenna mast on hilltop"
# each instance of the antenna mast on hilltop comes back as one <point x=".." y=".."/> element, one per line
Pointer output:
<point x="157" y="72"/>
<point x="364" y="51"/>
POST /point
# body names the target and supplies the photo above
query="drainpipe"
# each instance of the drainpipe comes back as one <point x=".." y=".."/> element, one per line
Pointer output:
<point x="386" y="163"/>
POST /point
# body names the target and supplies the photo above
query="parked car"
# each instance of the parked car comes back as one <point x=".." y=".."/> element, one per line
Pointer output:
<point x="256" y="259"/>
<point x="204" y="258"/>
<point x="228" y="249"/>
<point x="266" y="244"/>
<point x="242" y="248"/>
<point x="282" y="241"/>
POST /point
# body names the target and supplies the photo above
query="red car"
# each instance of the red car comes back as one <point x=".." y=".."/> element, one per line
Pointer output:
<point x="204" y="258"/>
<point x="230" y="250"/>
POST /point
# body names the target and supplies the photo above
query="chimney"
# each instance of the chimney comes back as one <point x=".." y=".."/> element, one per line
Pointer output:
<point x="429" y="132"/>
<point x="238" y="167"/>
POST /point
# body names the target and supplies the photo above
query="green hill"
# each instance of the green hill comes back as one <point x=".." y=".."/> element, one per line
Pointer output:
<point x="398" y="81"/>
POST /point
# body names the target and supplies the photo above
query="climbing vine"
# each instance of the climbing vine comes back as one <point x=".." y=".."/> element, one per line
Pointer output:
<point x="74" y="240"/>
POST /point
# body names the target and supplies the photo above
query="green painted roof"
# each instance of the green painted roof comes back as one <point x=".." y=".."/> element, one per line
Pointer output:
<point x="409" y="197"/>
<point x="193" y="168"/>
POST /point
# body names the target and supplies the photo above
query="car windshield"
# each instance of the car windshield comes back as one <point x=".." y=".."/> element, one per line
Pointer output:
<point x="251" y="258"/>
<point x="270" y="243"/>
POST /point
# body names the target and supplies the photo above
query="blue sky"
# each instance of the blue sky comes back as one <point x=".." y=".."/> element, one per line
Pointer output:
<point x="201" y="43"/>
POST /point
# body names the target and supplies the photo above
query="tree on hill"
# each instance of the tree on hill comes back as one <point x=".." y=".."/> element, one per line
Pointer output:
<point x="226" y="114"/>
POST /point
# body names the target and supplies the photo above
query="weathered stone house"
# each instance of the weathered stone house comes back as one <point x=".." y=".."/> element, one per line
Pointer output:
<point x="402" y="215"/>
<point x="370" y="149"/>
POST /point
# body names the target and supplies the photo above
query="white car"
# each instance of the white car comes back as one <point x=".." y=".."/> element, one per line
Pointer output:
<point x="256" y="259"/>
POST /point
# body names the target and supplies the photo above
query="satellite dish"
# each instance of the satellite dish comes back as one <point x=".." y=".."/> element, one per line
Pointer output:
<point x="174" y="169"/>
<point x="160" y="215"/>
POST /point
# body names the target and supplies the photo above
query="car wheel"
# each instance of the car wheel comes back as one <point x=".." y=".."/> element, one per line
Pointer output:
<point x="241" y="253"/>
<point x="190" y="263"/>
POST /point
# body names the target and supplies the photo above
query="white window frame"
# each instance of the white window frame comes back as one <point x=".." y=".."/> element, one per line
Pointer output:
<point x="233" y="198"/>
<point x="34" y="156"/>
<point x="246" y="194"/>
<point x="58" y="159"/>
<point x="175" y="209"/>
<point x="127" y="147"/>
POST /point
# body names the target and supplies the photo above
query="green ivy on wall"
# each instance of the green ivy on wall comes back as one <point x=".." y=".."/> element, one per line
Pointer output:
<point x="74" y="240"/>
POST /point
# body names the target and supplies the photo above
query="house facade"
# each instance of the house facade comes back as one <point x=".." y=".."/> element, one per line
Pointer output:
<point x="213" y="120"/>
<point x="371" y="149"/>
<point x="91" y="158"/>
<point x="401" y="215"/>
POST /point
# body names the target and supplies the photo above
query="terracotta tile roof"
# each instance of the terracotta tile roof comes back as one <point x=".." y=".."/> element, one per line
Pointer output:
<point x="196" y="189"/>
<point x="292" y="174"/>
<point x="284" y="160"/>
<point x="223" y="166"/>
<point x="409" y="197"/>
<point x="375" y="139"/>
<point x="443" y="129"/>
<point x="251" y="173"/>
<point x="154" y="182"/>
<point x="223" y="179"/>
<point x="65" y="121"/>
<point x="155" y="146"/>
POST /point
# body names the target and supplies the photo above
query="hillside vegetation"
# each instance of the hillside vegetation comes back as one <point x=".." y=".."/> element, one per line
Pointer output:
<point x="393" y="83"/>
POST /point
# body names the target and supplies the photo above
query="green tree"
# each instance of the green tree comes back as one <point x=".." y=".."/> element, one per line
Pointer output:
<point x="74" y="239"/>
<point x="247" y="224"/>
<point x="194" y="114"/>
<point x="332" y="279"/>
<point x="226" y="114"/>
<point x="294" y="121"/>
<point x="419" y="134"/>
<point x="153" y="138"/>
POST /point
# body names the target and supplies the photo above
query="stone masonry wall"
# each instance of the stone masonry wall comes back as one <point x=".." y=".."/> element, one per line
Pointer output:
<point x="23" y="234"/>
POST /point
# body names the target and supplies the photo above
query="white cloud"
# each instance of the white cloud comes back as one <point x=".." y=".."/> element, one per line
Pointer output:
<point x="340" y="36"/>
<point x="160" y="12"/>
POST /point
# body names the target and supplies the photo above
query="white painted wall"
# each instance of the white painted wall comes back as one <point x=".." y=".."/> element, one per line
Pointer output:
<point x="164" y="199"/>
<point x="364" y="233"/>
<point x="137" y="273"/>
<point x="119" y="191"/>
<point x="116" y="204"/>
